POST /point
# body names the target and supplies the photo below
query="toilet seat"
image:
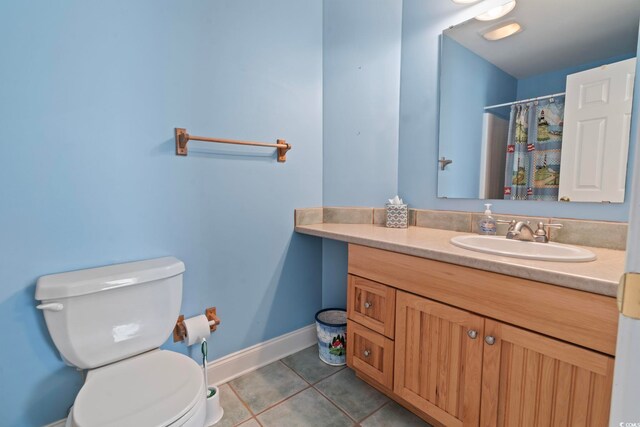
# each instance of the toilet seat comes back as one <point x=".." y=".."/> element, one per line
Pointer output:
<point x="155" y="389"/>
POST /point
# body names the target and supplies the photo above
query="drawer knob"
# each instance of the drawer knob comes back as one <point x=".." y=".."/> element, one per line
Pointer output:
<point x="473" y="334"/>
<point x="490" y="340"/>
<point x="367" y="304"/>
<point x="366" y="353"/>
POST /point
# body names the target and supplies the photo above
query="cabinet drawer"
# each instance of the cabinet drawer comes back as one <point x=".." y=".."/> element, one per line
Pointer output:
<point x="370" y="353"/>
<point x="371" y="304"/>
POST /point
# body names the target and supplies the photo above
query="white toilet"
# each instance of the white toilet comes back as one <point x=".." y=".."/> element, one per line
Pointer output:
<point x="111" y="321"/>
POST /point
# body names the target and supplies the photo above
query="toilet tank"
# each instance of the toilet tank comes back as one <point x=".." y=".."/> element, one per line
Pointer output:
<point x="101" y="315"/>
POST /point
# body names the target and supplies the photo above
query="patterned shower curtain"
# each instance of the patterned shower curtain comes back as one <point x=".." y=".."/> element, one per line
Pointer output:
<point x="533" y="150"/>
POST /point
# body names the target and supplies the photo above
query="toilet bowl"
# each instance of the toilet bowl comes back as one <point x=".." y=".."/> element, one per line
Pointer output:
<point x="111" y="321"/>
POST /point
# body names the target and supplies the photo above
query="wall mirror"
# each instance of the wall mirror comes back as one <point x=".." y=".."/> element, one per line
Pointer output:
<point x="536" y="104"/>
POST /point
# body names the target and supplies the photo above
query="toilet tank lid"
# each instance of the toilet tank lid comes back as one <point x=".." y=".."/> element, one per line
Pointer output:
<point x="82" y="282"/>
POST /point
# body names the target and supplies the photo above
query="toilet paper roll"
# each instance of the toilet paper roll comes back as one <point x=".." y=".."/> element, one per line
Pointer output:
<point x="197" y="328"/>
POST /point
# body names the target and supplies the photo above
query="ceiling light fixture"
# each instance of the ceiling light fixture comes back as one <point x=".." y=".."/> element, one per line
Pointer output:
<point x="503" y="31"/>
<point x="497" y="12"/>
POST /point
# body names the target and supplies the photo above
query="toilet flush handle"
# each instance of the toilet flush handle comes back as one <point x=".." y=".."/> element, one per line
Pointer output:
<point x="52" y="306"/>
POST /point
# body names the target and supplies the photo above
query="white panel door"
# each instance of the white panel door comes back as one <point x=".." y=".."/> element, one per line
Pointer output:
<point x="595" y="144"/>
<point x="625" y="410"/>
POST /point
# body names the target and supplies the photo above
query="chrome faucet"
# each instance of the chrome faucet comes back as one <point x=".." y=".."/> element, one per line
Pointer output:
<point x="520" y="230"/>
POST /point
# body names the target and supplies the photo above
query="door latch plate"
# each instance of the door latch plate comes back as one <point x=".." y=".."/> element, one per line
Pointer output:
<point x="629" y="295"/>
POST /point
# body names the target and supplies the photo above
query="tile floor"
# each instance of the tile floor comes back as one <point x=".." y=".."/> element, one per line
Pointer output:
<point x="300" y="390"/>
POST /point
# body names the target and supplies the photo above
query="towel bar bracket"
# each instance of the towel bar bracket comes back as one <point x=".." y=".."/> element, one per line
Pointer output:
<point x="182" y="137"/>
<point x="282" y="151"/>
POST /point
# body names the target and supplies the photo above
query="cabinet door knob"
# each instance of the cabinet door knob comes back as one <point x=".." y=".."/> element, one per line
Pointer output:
<point x="490" y="340"/>
<point x="367" y="304"/>
<point x="473" y="334"/>
<point x="367" y="353"/>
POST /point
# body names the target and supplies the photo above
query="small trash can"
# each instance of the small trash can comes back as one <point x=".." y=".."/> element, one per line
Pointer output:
<point x="331" y="325"/>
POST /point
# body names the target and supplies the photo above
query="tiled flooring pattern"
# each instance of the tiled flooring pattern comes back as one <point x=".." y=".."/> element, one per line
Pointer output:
<point x="300" y="390"/>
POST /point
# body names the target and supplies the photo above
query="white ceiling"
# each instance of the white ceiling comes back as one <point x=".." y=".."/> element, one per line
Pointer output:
<point x="556" y="34"/>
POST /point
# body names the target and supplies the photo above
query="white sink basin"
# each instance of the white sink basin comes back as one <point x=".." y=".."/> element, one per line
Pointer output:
<point x="529" y="250"/>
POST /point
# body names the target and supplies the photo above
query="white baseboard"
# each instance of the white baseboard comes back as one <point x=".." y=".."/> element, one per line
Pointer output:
<point x="59" y="423"/>
<point x="241" y="362"/>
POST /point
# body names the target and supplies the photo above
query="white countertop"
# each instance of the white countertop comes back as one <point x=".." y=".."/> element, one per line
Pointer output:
<point x="600" y="276"/>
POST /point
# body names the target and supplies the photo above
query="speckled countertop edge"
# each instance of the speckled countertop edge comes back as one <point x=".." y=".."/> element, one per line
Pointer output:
<point x="599" y="276"/>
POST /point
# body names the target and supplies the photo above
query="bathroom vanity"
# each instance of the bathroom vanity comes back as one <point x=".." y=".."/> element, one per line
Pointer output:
<point x="465" y="346"/>
<point x="461" y="345"/>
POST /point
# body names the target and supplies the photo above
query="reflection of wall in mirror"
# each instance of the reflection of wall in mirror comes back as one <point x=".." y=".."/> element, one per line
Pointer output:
<point x="556" y="81"/>
<point x="471" y="84"/>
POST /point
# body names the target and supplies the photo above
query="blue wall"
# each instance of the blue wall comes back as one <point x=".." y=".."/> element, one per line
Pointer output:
<point x="418" y="152"/>
<point x="463" y="95"/>
<point x="556" y="81"/>
<point x="90" y="94"/>
<point x="334" y="273"/>
<point x="361" y="99"/>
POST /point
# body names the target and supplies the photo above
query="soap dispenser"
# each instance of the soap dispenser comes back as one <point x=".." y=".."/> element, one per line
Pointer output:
<point x="487" y="224"/>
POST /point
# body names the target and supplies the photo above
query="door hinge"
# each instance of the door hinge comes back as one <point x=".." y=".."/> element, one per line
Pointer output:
<point x="629" y="295"/>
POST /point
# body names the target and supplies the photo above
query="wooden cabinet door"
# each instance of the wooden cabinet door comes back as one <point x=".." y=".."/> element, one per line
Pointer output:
<point x="532" y="380"/>
<point x="438" y="359"/>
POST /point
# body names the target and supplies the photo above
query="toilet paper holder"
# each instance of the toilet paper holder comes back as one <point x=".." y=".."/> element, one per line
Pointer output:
<point x="179" y="331"/>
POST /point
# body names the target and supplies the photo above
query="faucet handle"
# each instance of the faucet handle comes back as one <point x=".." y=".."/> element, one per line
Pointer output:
<point x="541" y="227"/>
<point x="541" y="234"/>
<point x="502" y="221"/>
<point x="512" y="224"/>
<point x="554" y="225"/>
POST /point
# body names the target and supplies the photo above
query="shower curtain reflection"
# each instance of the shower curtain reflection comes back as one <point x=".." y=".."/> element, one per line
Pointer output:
<point x="534" y="146"/>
